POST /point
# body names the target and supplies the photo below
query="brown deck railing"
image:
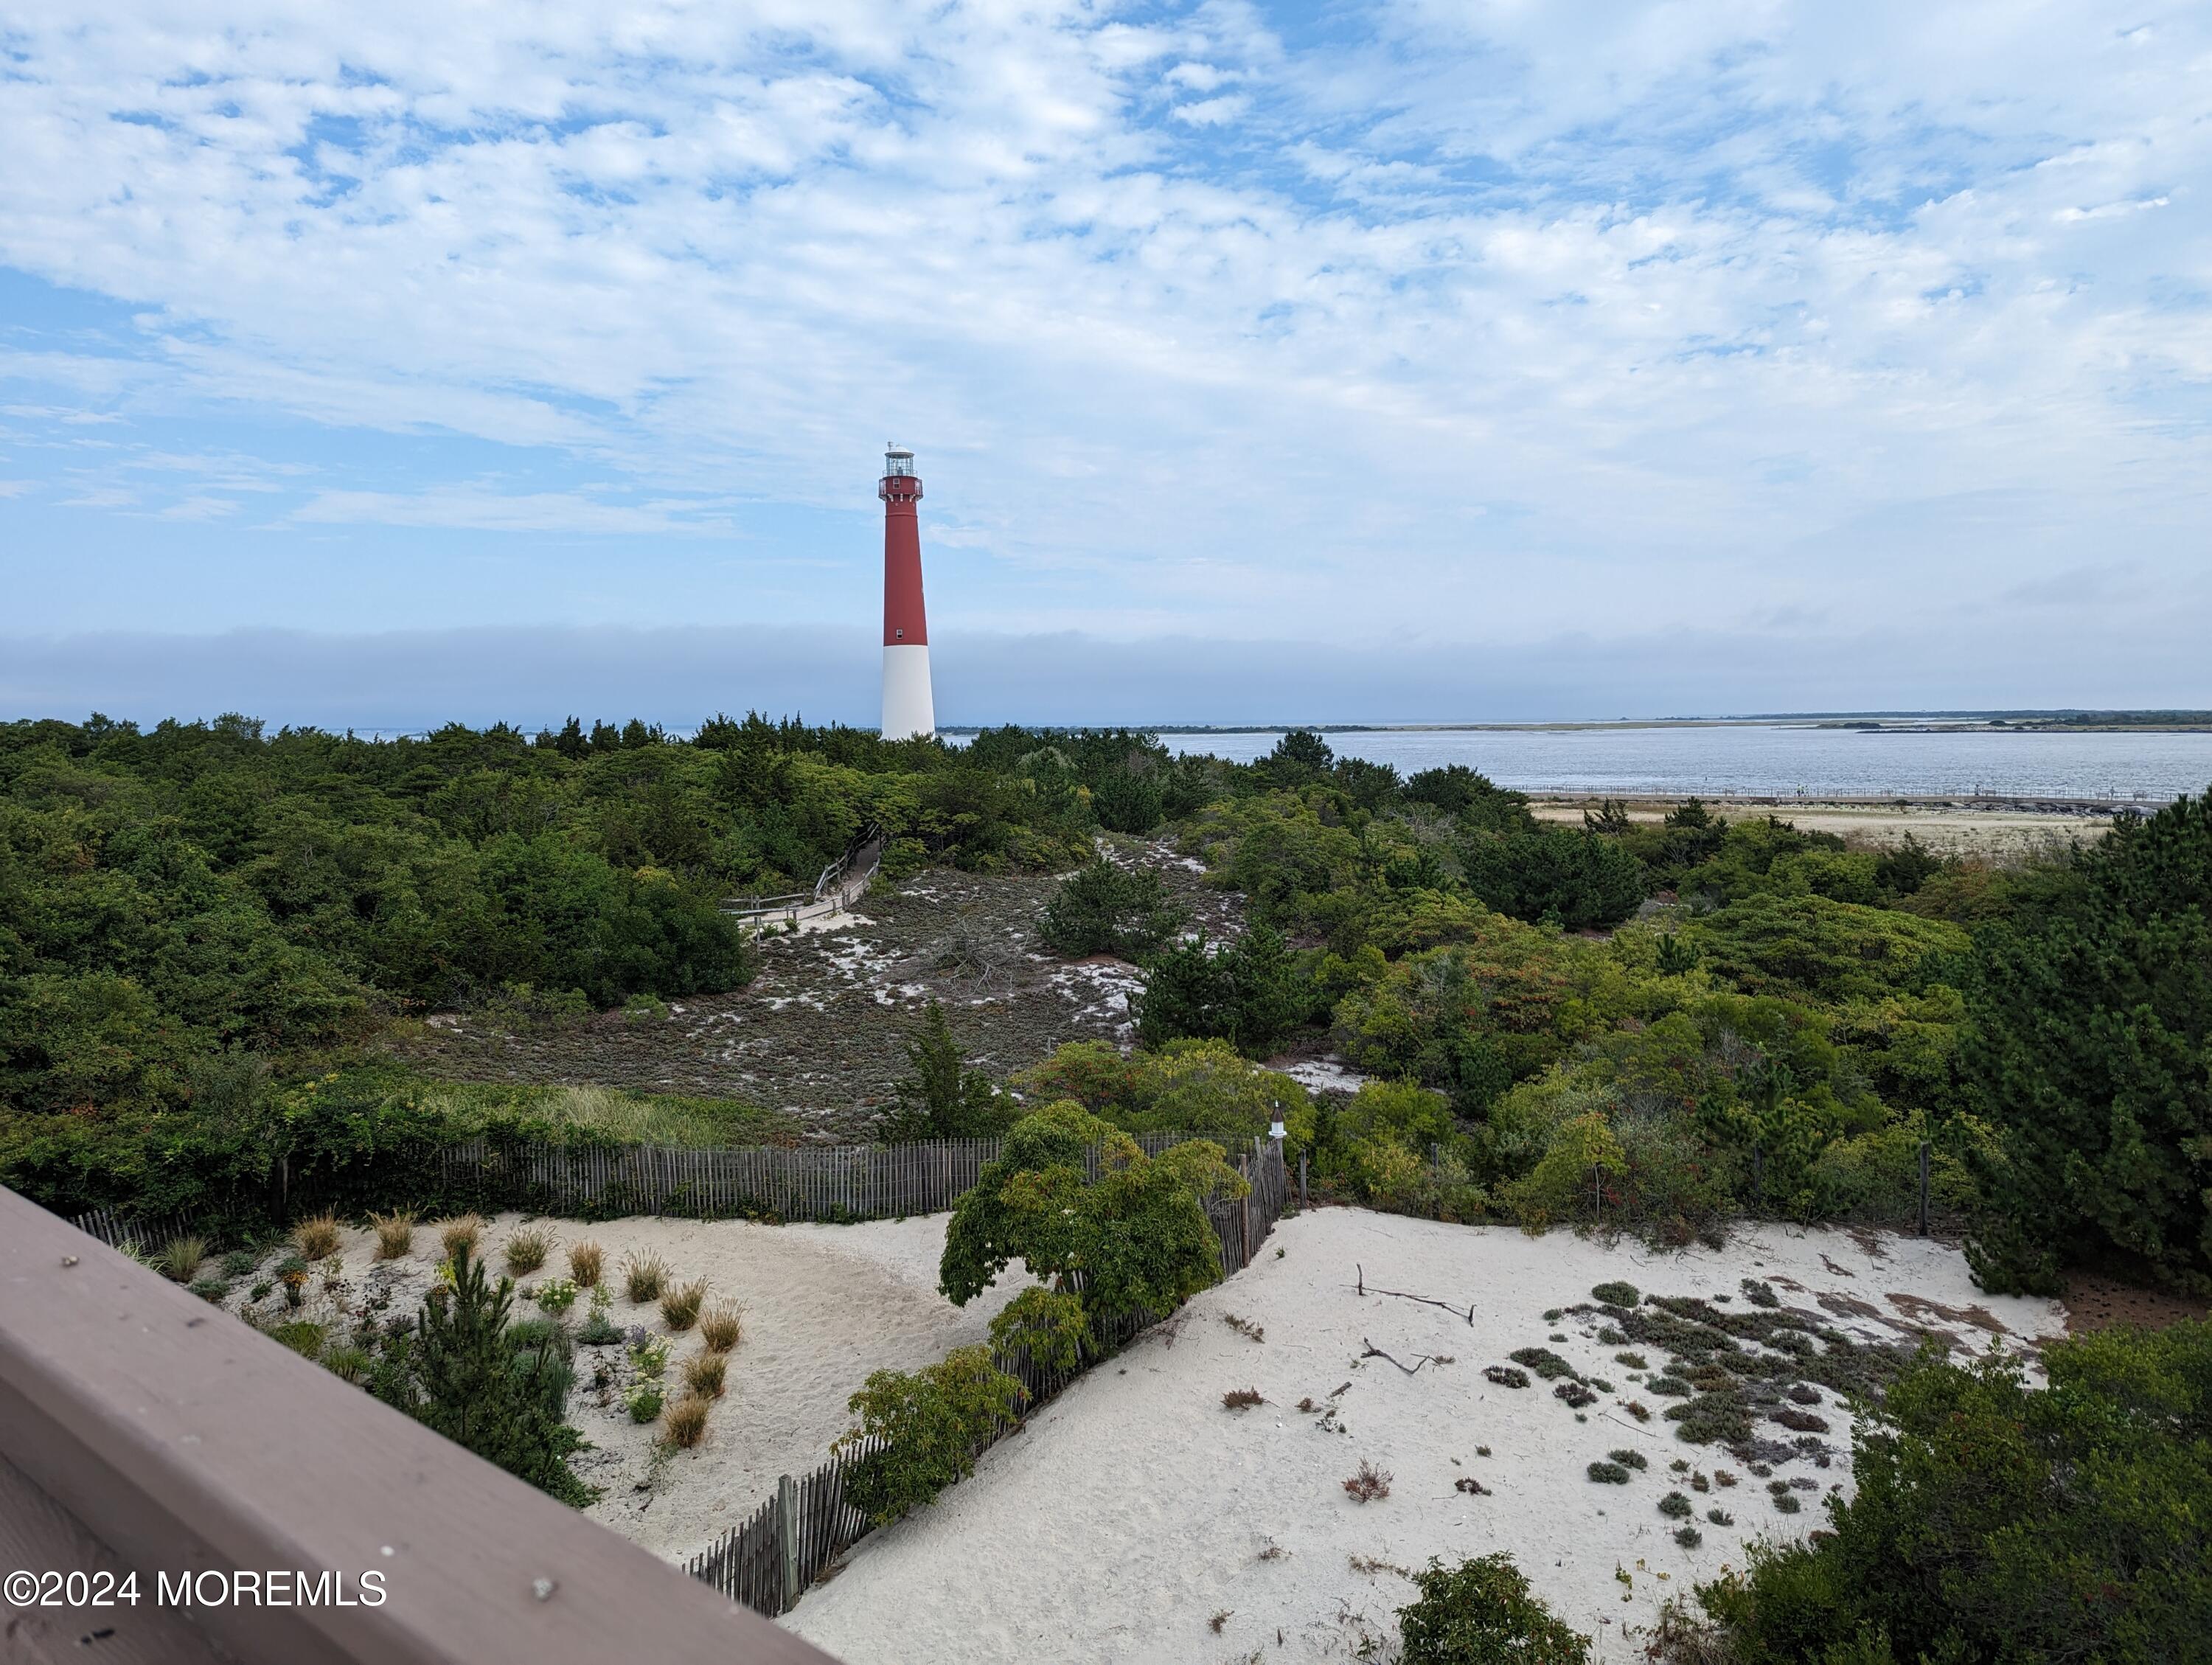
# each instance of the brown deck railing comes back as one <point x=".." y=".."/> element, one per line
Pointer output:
<point x="142" y="1430"/>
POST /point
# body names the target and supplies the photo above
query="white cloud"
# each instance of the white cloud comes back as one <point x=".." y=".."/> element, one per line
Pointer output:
<point x="1510" y="309"/>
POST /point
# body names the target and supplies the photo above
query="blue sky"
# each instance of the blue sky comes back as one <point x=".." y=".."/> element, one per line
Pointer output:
<point x="1411" y="359"/>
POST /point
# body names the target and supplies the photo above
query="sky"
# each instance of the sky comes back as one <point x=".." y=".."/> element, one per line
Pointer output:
<point x="384" y="365"/>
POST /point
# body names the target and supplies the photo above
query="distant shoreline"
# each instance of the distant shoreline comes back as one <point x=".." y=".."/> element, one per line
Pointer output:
<point x="1877" y="722"/>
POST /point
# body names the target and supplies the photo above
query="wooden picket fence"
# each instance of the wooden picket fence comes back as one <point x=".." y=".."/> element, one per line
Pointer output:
<point x="769" y="1559"/>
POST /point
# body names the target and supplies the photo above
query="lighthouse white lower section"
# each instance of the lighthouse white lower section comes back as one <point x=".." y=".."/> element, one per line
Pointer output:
<point x="909" y="709"/>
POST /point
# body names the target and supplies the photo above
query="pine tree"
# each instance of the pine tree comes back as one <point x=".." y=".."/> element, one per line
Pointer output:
<point x="500" y="1389"/>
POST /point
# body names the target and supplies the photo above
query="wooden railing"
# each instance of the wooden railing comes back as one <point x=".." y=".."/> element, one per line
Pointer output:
<point x="148" y="1437"/>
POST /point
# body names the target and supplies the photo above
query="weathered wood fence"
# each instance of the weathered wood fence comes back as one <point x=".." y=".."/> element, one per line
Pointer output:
<point x="835" y="1183"/>
<point x="769" y="1559"/>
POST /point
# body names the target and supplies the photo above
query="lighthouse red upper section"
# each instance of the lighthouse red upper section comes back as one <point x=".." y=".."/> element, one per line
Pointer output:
<point x="904" y="623"/>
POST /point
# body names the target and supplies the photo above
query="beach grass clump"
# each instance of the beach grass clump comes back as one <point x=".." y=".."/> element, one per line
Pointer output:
<point x="721" y="1330"/>
<point x="1608" y="1473"/>
<point x="1369" y="1485"/>
<point x="1688" y="1536"/>
<point x="1787" y="1503"/>
<point x="317" y="1238"/>
<point x="1505" y="1376"/>
<point x="586" y="1261"/>
<point x="462" y="1232"/>
<point x="644" y="1277"/>
<point x="1719" y="1517"/>
<point x="704" y="1374"/>
<point x="685" y="1424"/>
<point x="1628" y="1459"/>
<point x="1618" y="1294"/>
<point x="180" y="1258"/>
<point x="348" y="1362"/>
<point x="679" y="1308"/>
<point x="395" y="1233"/>
<point x="526" y="1250"/>
<point x="1675" y="1505"/>
<point x="305" y="1337"/>
<point x="1240" y="1399"/>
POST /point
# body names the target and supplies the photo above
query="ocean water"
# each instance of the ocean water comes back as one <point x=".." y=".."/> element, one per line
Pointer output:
<point x="1765" y="760"/>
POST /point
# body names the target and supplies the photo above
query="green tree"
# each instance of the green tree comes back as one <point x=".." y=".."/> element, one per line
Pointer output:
<point x="1104" y="908"/>
<point x="943" y="1099"/>
<point x="501" y="1390"/>
<point x="2089" y="1040"/>
<point x="1554" y="876"/>
<point x="1135" y="1239"/>
<point x="1251" y="993"/>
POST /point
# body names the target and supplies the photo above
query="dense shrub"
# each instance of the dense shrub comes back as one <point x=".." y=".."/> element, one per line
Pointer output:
<point x="1992" y="1522"/>
<point x="1137" y="1239"/>
<point x="1554" y="875"/>
<point x="1104" y="908"/>
<point x="1250" y="993"/>
<point x="1185" y="1086"/>
<point x="1483" y="1613"/>
<point x="933" y="1423"/>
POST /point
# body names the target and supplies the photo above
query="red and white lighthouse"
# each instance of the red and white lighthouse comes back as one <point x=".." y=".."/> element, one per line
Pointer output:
<point x="909" y="709"/>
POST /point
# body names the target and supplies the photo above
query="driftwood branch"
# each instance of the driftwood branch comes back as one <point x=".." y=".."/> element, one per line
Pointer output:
<point x="1374" y="1352"/>
<point x="1401" y="1294"/>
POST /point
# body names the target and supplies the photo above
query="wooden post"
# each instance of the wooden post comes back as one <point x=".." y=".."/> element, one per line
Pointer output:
<point x="787" y="1537"/>
<point x="1923" y="1188"/>
<point x="1758" y="1175"/>
<point x="1302" y="1180"/>
<point x="1244" y="1214"/>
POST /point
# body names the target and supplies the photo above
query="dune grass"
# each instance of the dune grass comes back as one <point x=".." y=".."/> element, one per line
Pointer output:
<point x="596" y="1112"/>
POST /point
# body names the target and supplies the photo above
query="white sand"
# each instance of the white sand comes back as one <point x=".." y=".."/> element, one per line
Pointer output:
<point x="823" y="1306"/>
<point x="1135" y="1508"/>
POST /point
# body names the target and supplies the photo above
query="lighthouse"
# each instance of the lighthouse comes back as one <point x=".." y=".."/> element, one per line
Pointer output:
<point x="908" y="710"/>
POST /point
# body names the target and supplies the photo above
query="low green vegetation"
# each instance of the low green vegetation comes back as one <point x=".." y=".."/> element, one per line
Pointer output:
<point x="944" y="1098"/>
<point x="1483" y="1613"/>
<point x="927" y="1427"/>
<point x="1994" y="1521"/>
<point x="1107" y="909"/>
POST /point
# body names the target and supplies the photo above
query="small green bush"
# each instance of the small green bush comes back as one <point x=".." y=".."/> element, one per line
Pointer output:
<point x="348" y="1362"/>
<point x="1542" y="1360"/>
<point x="1674" y="1505"/>
<point x="643" y="1400"/>
<point x="1483" y="1613"/>
<point x="1048" y="1322"/>
<point x="556" y="1294"/>
<point x="210" y="1289"/>
<point x="1618" y="1294"/>
<point x="933" y="1422"/>
<point x="1669" y="1387"/>
<point x="1688" y="1536"/>
<point x="1788" y="1503"/>
<point x="1608" y="1473"/>
<point x="1633" y="1361"/>
<point x="1628" y="1459"/>
<point x="239" y="1263"/>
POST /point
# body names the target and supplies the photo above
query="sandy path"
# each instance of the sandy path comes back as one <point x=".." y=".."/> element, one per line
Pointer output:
<point x="1134" y="1508"/>
<point x="823" y="1306"/>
